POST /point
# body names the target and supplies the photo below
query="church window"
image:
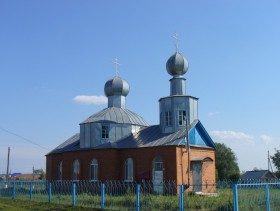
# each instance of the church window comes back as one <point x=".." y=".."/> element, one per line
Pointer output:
<point x="181" y="117"/>
<point x="167" y="118"/>
<point x="158" y="164"/>
<point x="76" y="169"/>
<point x="59" y="170"/>
<point x="128" y="168"/>
<point x="105" y="131"/>
<point x="94" y="169"/>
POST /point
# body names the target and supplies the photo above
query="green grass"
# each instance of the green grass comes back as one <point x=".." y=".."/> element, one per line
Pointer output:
<point x="255" y="200"/>
<point x="24" y="205"/>
<point x="127" y="201"/>
<point x="249" y="199"/>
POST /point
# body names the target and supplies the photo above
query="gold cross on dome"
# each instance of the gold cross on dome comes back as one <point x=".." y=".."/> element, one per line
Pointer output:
<point x="117" y="64"/>
<point x="177" y="40"/>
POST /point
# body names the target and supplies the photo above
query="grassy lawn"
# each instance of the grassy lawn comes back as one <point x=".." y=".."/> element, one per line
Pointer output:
<point x="24" y="205"/>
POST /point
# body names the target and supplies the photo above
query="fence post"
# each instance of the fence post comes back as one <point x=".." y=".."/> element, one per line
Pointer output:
<point x="181" y="197"/>
<point x="102" y="195"/>
<point x="137" y="197"/>
<point x="235" y="198"/>
<point x="14" y="190"/>
<point x="73" y="194"/>
<point x="267" y="197"/>
<point x="30" y="191"/>
<point x="50" y="192"/>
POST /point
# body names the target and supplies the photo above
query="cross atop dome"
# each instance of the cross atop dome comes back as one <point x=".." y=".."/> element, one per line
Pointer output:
<point x="117" y="64"/>
<point x="177" y="40"/>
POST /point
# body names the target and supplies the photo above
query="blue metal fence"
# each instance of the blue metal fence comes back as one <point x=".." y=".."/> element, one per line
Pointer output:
<point x="257" y="195"/>
<point x="121" y="195"/>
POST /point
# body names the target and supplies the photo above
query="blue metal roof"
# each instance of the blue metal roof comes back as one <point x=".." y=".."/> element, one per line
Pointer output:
<point x="152" y="137"/>
<point x="117" y="115"/>
<point x="147" y="137"/>
<point x="261" y="174"/>
<point x="71" y="144"/>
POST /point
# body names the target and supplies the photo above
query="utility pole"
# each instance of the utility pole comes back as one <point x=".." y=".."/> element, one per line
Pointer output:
<point x="269" y="162"/>
<point x="8" y="164"/>
<point x="187" y="145"/>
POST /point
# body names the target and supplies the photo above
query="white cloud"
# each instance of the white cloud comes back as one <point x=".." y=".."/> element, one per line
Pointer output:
<point x="231" y="135"/>
<point x="213" y="113"/>
<point x="246" y="146"/>
<point x="96" y="100"/>
<point x="265" y="138"/>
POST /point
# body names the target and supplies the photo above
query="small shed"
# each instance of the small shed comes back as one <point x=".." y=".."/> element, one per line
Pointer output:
<point x="258" y="175"/>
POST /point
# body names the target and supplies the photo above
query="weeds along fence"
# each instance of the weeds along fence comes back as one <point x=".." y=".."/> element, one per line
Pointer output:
<point x="120" y="195"/>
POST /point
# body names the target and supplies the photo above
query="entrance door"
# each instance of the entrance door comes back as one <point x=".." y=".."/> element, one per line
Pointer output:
<point x="158" y="175"/>
<point x="197" y="176"/>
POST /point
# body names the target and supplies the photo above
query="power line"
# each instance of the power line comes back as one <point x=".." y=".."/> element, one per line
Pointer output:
<point x="23" y="138"/>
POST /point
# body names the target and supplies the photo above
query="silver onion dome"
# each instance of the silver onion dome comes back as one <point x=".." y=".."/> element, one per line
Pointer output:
<point x="116" y="86"/>
<point x="177" y="65"/>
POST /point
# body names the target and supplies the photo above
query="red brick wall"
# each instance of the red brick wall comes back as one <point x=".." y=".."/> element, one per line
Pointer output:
<point x="108" y="161"/>
<point x="143" y="161"/>
<point x="111" y="163"/>
<point x="208" y="168"/>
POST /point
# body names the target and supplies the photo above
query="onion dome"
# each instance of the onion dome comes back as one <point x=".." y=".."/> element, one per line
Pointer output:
<point x="177" y="65"/>
<point x="116" y="86"/>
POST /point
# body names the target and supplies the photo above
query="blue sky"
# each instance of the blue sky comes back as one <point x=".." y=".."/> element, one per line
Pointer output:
<point x="52" y="52"/>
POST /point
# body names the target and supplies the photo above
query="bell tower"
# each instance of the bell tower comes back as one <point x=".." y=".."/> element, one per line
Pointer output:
<point x="177" y="108"/>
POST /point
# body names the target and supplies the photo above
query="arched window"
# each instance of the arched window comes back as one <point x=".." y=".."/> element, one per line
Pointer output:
<point x="59" y="170"/>
<point x="94" y="170"/>
<point x="128" y="170"/>
<point x="76" y="169"/>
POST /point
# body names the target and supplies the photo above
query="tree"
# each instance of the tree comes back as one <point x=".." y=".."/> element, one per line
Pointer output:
<point x="276" y="161"/>
<point x="41" y="173"/>
<point x="226" y="163"/>
<point x="257" y="169"/>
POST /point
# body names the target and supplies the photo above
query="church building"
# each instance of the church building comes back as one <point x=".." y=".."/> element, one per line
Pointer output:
<point x="118" y="144"/>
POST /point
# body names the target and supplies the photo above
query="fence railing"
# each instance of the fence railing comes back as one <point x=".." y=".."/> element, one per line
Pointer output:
<point x="121" y="195"/>
<point x="261" y="195"/>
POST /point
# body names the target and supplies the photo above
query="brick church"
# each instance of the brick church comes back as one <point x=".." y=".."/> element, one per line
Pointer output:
<point x="118" y="144"/>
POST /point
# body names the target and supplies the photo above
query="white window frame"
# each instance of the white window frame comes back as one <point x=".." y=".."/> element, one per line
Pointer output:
<point x="128" y="170"/>
<point x="167" y="119"/>
<point x="181" y="116"/>
<point x="158" y="164"/>
<point x="94" y="170"/>
<point x="105" y="131"/>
